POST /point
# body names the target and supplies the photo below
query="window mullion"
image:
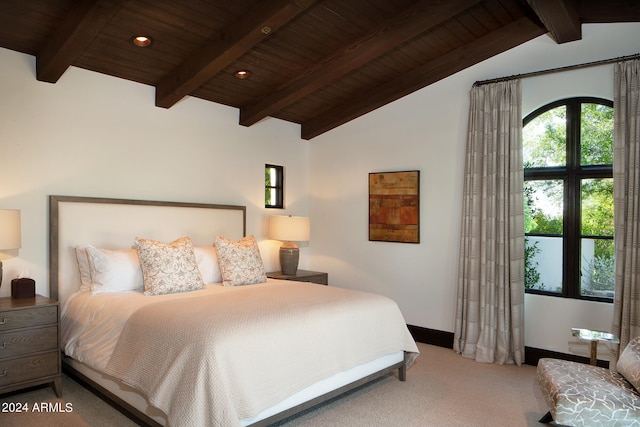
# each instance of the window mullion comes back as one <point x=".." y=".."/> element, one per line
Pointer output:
<point x="572" y="235"/>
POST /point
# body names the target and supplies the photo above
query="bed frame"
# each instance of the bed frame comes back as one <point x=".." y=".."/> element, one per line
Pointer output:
<point x="113" y="224"/>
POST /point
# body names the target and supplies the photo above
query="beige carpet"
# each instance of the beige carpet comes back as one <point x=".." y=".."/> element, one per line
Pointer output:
<point x="442" y="389"/>
<point x="81" y="408"/>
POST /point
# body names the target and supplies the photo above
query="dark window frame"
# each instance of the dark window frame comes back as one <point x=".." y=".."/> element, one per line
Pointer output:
<point x="572" y="174"/>
<point x="278" y="187"/>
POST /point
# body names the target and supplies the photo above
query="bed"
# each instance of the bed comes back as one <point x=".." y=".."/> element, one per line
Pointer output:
<point x="213" y="354"/>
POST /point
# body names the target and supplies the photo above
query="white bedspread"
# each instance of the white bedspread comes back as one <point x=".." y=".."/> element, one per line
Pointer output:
<point x="91" y="325"/>
<point x="216" y="356"/>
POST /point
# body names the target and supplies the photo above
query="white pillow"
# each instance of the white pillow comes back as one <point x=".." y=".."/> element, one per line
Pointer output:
<point x="168" y="268"/>
<point x="84" y="268"/>
<point x="114" y="270"/>
<point x="207" y="260"/>
<point x="240" y="262"/>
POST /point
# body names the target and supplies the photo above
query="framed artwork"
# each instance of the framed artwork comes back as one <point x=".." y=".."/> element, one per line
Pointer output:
<point x="394" y="206"/>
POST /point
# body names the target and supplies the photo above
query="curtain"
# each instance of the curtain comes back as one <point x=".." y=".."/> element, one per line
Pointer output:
<point x="490" y="304"/>
<point x="626" y="186"/>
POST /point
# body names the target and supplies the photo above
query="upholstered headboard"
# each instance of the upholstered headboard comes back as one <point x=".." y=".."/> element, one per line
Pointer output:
<point x="115" y="223"/>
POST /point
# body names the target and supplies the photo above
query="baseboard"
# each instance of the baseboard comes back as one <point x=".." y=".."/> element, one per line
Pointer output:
<point x="431" y="336"/>
<point x="531" y="354"/>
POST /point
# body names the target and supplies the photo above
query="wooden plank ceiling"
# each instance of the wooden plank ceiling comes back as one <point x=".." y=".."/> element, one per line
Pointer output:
<point x="318" y="63"/>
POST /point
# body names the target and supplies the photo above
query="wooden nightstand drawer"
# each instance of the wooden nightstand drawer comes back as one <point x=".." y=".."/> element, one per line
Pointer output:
<point x="28" y="341"/>
<point x="27" y="318"/>
<point x="15" y="371"/>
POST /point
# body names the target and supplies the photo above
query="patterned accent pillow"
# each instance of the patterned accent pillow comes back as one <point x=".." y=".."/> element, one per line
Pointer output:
<point x="168" y="268"/>
<point x="240" y="262"/>
<point x="629" y="363"/>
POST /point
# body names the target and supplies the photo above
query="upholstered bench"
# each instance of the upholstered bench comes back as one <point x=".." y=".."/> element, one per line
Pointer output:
<point x="586" y="395"/>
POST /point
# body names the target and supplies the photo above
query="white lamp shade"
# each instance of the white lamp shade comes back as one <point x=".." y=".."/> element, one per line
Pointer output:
<point x="10" y="229"/>
<point x="289" y="228"/>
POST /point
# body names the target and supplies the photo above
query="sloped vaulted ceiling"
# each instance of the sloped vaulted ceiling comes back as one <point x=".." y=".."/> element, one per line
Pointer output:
<point x="318" y="63"/>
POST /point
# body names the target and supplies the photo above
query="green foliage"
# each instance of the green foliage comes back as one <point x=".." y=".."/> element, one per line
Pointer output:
<point x="597" y="207"/>
<point x="544" y="139"/>
<point x="531" y="273"/>
<point x="598" y="276"/>
<point x="529" y="223"/>
<point x="538" y="220"/>
<point x="546" y="224"/>
<point x="267" y="184"/>
<point x="596" y="134"/>
<point x="604" y="248"/>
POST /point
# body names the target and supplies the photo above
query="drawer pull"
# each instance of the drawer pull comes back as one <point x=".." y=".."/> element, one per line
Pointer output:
<point x="3" y="321"/>
<point x="4" y="373"/>
<point x="4" y="345"/>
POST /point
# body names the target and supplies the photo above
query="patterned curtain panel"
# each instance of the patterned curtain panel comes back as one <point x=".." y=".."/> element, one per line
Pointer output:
<point x="490" y="306"/>
<point x="626" y="186"/>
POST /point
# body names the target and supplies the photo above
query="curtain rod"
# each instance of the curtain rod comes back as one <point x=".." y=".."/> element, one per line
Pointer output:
<point x="556" y="70"/>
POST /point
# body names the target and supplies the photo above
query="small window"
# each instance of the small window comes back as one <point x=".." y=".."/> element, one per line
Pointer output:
<point x="273" y="186"/>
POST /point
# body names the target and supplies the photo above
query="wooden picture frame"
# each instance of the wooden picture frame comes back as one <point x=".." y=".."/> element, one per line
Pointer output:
<point x="394" y="206"/>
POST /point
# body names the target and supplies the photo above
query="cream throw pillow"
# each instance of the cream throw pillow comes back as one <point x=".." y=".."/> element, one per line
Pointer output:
<point x="168" y="268"/>
<point x="114" y="270"/>
<point x="207" y="259"/>
<point x="240" y="262"/>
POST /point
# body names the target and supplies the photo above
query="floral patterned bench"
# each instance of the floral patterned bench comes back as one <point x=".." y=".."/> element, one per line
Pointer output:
<point x="586" y="395"/>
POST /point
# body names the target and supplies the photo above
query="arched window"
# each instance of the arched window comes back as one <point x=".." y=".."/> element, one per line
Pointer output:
<point x="568" y="173"/>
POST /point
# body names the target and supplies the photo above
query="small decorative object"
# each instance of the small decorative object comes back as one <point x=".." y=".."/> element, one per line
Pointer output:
<point x="9" y="232"/>
<point x="23" y="287"/>
<point x="289" y="229"/>
<point x="394" y="206"/>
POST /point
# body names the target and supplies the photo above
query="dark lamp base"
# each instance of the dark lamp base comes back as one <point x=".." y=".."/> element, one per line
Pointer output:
<point x="289" y="260"/>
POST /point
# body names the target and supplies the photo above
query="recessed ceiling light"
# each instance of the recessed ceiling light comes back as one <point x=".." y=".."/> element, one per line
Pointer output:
<point x="141" y="41"/>
<point x="242" y="74"/>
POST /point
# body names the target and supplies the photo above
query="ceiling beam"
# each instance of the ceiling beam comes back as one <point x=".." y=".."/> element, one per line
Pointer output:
<point x="232" y="42"/>
<point x="84" y="21"/>
<point x="496" y="42"/>
<point x="560" y="17"/>
<point x="421" y="17"/>
<point x="597" y="11"/>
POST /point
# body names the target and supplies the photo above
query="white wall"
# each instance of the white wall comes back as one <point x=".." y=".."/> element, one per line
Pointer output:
<point x="93" y="135"/>
<point x="427" y="131"/>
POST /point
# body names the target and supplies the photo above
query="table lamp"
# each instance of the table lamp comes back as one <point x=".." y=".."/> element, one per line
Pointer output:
<point x="289" y="229"/>
<point x="9" y="232"/>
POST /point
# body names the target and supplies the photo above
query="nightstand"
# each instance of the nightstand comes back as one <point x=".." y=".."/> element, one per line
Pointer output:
<point x="302" y="276"/>
<point x="29" y="343"/>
